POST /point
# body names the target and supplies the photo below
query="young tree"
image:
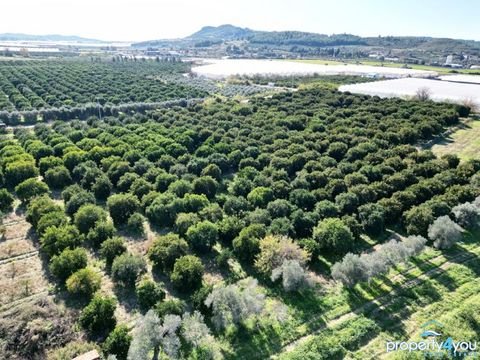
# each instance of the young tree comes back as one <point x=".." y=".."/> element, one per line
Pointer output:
<point x="166" y="249"/>
<point x="122" y="206"/>
<point x="260" y="196"/>
<point x="127" y="268"/>
<point x="187" y="273"/>
<point x="184" y="221"/>
<point x="6" y="200"/>
<point x="98" y="317"/>
<point x="100" y="232"/>
<point x="56" y="239"/>
<point x="247" y="244"/>
<point x="444" y="232"/>
<point x="58" y="177"/>
<point x="88" y="216"/>
<point x="350" y="270"/>
<point x="333" y="234"/>
<point x="111" y="248"/>
<point x="118" y="342"/>
<point x="84" y="282"/>
<point x="31" y="188"/>
<point x="148" y="294"/>
<point x="135" y="224"/>
<point x="202" y="236"/>
<point x="68" y="262"/>
<point x="275" y="250"/>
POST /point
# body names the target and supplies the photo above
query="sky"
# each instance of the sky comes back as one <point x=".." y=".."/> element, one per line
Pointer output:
<point x="136" y="20"/>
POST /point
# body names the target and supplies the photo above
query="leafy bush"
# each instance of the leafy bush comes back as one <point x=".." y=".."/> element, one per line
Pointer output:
<point x="88" y="216"/>
<point x="56" y="239"/>
<point x="135" y="224"/>
<point x="202" y="236"/>
<point x="122" y="206"/>
<point x="111" y="248"/>
<point x="118" y="342"/>
<point x="84" y="282"/>
<point x="6" y="200"/>
<point x="187" y="273"/>
<point x="68" y="262"/>
<point x="166" y="249"/>
<point x="333" y="234"/>
<point x="98" y="317"/>
<point x="148" y="294"/>
<point x="127" y="268"/>
<point x="31" y="188"/>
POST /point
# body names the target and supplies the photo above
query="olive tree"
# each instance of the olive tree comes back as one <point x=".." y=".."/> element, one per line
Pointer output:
<point x="444" y="232"/>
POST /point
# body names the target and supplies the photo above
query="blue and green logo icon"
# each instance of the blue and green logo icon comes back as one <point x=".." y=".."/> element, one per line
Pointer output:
<point x="427" y="329"/>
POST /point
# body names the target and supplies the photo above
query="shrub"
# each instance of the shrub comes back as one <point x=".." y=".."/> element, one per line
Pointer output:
<point x="6" y="200"/>
<point x="205" y="185"/>
<point x="31" y="188"/>
<point x="169" y="307"/>
<point x="444" y="232"/>
<point x="111" y="248"/>
<point x="77" y="200"/>
<point x="122" y="206"/>
<point x="56" y="239"/>
<point x="68" y="262"/>
<point x="99" y="315"/>
<point x="58" y="177"/>
<point x="148" y="294"/>
<point x="127" y="268"/>
<point x="54" y="218"/>
<point x="247" y="244"/>
<point x="102" y="188"/>
<point x="166" y="249"/>
<point x="333" y="234"/>
<point x="418" y="219"/>
<point x="118" y="342"/>
<point x="184" y="221"/>
<point x="203" y="235"/>
<point x="100" y="232"/>
<point x="84" y="282"/>
<point x="135" y="224"/>
<point x="19" y="171"/>
<point x="88" y="216"/>
<point x="187" y="273"/>
<point x="354" y="268"/>
<point x="260" y="196"/>
<point x="275" y="250"/>
<point x="39" y="207"/>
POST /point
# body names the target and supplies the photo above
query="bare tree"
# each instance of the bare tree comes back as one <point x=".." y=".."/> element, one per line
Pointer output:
<point x="423" y="94"/>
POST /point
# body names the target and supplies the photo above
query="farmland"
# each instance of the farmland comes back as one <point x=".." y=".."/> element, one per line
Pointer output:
<point x="232" y="216"/>
<point x="464" y="142"/>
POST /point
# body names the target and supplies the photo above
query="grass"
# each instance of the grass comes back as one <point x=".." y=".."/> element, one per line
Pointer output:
<point x="438" y="69"/>
<point x="465" y="142"/>
<point x="387" y="300"/>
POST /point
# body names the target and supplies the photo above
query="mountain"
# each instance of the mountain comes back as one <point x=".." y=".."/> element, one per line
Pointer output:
<point x="53" y="37"/>
<point x="222" y="32"/>
<point x="415" y="49"/>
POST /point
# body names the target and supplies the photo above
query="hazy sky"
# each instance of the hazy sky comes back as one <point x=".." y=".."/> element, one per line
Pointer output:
<point x="134" y="20"/>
